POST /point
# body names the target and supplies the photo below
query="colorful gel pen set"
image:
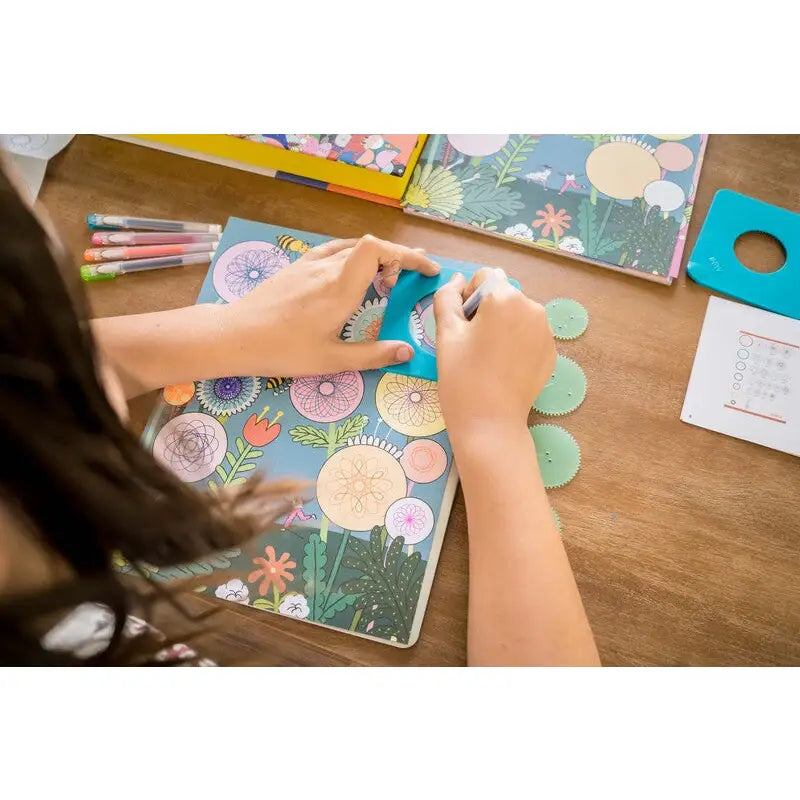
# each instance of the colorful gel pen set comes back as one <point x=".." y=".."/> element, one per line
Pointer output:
<point x="134" y="244"/>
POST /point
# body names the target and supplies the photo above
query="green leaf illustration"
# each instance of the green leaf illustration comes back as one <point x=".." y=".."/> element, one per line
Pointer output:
<point x="314" y="560"/>
<point x="309" y="436"/>
<point x="221" y="560"/>
<point x="509" y="160"/>
<point x="484" y="200"/>
<point x="587" y="225"/>
<point x="607" y="246"/>
<point x="338" y="601"/>
<point x="350" y="428"/>
<point x="264" y="605"/>
<point x="389" y="586"/>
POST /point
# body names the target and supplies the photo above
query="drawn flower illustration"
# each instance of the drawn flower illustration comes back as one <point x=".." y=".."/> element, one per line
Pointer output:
<point x="294" y="605"/>
<point x="242" y="267"/>
<point x="228" y="395"/>
<point x="435" y="189"/>
<point x="571" y="244"/>
<point x="365" y="324"/>
<point x="357" y="484"/>
<point x="622" y="168"/>
<point x="520" y="231"/>
<point x="327" y="398"/>
<point x="258" y="431"/>
<point x="409" y="405"/>
<point x="410" y="518"/>
<point x="374" y="441"/>
<point x="234" y="590"/>
<point x="552" y="220"/>
<point x="191" y="445"/>
<point x="424" y="460"/>
<point x="179" y="394"/>
<point x="272" y="571"/>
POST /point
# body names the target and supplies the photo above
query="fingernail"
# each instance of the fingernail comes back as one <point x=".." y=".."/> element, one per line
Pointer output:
<point x="436" y="266"/>
<point x="404" y="353"/>
<point x="456" y="277"/>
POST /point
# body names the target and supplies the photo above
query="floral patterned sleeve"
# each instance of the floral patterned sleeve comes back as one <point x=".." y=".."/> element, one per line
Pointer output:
<point x="87" y="630"/>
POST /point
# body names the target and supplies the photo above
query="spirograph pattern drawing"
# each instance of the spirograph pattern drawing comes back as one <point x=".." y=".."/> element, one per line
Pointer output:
<point x="191" y="445"/>
<point x="244" y="266"/>
<point x="327" y="398"/>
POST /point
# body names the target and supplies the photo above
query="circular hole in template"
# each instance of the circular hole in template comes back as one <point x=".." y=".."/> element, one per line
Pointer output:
<point x="745" y="341"/>
<point x="760" y="252"/>
<point x="741" y="365"/>
<point x="423" y="327"/>
<point x="733" y="403"/>
<point x="737" y="386"/>
<point x="738" y="376"/>
<point x="743" y="354"/>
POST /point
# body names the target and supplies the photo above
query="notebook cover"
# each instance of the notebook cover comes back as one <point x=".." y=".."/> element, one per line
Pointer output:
<point x="361" y="553"/>
<point x="621" y="201"/>
<point x="358" y="165"/>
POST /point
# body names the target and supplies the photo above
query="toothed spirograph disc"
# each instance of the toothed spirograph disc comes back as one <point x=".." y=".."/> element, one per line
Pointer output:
<point x="558" y="453"/>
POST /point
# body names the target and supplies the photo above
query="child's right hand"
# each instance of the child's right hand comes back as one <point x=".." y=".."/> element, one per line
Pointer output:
<point x="492" y="367"/>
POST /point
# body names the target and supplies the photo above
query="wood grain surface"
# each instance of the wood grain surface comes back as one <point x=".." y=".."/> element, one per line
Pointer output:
<point x="685" y="543"/>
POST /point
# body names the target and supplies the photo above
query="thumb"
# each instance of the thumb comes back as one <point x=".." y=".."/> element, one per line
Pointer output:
<point x="448" y="302"/>
<point x="371" y="355"/>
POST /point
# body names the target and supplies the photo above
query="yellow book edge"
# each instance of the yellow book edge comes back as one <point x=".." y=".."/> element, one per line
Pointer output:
<point x="267" y="160"/>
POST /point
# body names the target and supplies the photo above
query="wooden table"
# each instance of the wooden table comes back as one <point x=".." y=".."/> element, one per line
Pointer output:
<point x="685" y="543"/>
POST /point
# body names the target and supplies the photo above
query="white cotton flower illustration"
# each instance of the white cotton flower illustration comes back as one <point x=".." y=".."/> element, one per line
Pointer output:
<point x="234" y="590"/>
<point x="520" y="231"/>
<point x="294" y="605"/>
<point x="571" y="244"/>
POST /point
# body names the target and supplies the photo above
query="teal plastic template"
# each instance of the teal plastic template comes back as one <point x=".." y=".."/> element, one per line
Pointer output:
<point x="412" y="287"/>
<point x="714" y="264"/>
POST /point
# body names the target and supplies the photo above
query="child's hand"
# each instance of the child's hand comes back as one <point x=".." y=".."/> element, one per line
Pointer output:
<point x="492" y="367"/>
<point x="290" y="324"/>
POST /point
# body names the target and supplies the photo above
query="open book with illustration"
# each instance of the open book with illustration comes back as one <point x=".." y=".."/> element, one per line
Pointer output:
<point x="621" y="201"/>
<point x="359" y="552"/>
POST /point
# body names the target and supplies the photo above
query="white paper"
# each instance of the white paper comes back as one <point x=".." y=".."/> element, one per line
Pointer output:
<point x="30" y="172"/>
<point x="35" y="145"/>
<point x="745" y="380"/>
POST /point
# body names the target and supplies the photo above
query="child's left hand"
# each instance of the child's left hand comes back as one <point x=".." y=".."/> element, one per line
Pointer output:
<point x="290" y="324"/>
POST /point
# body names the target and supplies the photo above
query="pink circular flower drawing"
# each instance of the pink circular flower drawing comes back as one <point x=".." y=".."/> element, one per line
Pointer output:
<point x="424" y="460"/>
<point x="327" y="398"/>
<point x="191" y="445"/>
<point x="410" y="518"/>
<point x="242" y="267"/>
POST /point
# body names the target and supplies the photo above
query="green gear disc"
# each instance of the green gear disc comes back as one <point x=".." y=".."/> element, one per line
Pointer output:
<point x="568" y="318"/>
<point x="565" y="390"/>
<point x="556" y="519"/>
<point x="558" y="453"/>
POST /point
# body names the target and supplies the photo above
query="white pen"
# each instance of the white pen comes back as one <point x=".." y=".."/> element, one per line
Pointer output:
<point x="496" y="279"/>
<point x="114" y="222"/>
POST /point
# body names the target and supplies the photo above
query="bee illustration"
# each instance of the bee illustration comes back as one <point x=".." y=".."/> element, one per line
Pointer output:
<point x="290" y="244"/>
<point x="278" y="385"/>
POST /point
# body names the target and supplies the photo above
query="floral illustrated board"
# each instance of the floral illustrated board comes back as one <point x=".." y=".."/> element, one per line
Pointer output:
<point x="621" y="201"/>
<point x="359" y="552"/>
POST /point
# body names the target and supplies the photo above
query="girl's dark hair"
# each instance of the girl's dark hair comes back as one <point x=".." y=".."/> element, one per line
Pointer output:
<point x="71" y="473"/>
